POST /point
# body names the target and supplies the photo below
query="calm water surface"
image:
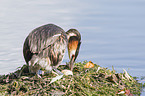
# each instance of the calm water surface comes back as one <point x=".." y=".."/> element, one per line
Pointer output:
<point x="113" y="32"/>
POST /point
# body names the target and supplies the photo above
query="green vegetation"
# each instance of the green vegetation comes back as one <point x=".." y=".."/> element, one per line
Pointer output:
<point x="85" y="82"/>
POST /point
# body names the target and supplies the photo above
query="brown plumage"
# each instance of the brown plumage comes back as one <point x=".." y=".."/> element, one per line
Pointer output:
<point x="45" y="47"/>
<point x="74" y="42"/>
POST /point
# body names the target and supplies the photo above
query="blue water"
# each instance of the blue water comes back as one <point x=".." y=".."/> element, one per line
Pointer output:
<point x="112" y="30"/>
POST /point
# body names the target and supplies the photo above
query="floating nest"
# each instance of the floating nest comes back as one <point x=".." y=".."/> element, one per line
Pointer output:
<point x="88" y="80"/>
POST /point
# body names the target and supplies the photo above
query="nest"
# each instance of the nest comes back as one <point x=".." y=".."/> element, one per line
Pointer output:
<point x="86" y="81"/>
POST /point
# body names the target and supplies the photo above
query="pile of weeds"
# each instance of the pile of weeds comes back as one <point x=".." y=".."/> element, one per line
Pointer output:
<point x="84" y="82"/>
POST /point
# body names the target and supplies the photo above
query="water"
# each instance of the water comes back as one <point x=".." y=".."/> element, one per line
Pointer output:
<point x="112" y="31"/>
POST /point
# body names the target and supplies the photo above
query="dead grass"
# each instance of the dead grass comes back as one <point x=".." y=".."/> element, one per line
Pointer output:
<point x="85" y="82"/>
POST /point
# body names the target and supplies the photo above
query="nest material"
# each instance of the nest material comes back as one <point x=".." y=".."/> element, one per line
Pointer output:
<point x="85" y="82"/>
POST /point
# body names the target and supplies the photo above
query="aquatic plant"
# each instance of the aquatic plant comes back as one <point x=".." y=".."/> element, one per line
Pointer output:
<point x="88" y="79"/>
